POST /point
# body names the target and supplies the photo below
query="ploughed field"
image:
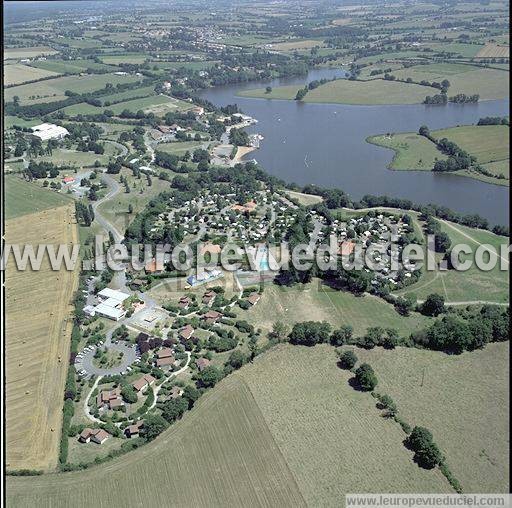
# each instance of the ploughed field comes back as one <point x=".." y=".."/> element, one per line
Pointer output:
<point x="38" y="327"/>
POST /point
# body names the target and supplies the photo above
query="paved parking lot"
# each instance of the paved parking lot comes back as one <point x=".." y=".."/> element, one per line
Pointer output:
<point x="86" y="362"/>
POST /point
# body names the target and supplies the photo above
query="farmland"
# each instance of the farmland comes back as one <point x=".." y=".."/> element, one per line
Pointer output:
<point x="37" y="348"/>
<point x="22" y="198"/>
<point x="319" y="303"/>
<point x="18" y="73"/>
<point x="469" y="427"/>
<point x="31" y="52"/>
<point x="53" y="89"/>
<point x="493" y="51"/>
<point x="222" y="452"/>
<point x="375" y="91"/>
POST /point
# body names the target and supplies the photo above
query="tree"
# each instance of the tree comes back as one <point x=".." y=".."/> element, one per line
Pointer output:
<point x="153" y="426"/>
<point x="129" y="394"/>
<point x="173" y="409"/>
<point x="429" y="457"/>
<point x="342" y="336"/>
<point x="191" y="394"/>
<point x="347" y="359"/>
<point x="236" y="359"/>
<point x="268" y="89"/>
<point x="433" y="305"/>
<point x="279" y="330"/>
<point x="366" y="378"/>
<point x="209" y="377"/>
<point x="387" y="403"/>
<point x="310" y="333"/>
<point x="405" y="304"/>
<point x="301" y="93"/>
<point x="419" y="438"/>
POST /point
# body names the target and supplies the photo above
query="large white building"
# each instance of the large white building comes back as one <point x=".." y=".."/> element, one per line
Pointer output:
<point x="46" y="131"/>
<point x="111" y="304"/>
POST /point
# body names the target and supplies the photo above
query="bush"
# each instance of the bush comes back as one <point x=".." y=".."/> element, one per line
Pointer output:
<point x="366" y="378"/>
<point x="347" y="359"/>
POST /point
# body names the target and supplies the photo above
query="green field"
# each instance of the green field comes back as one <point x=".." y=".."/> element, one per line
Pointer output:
<point x="343" y="91"/>
<point x="128" y="94"/>
<point x="130" y="58"/>
<point x="179" y="148"/>
<point x="62" y="156"/>
<point x="22" y="197"/>
<point x="468" y="79"/>
<point x="318" y="302"/>
<point x="412" y="151"/>
<point x="10" y="121"/>
<point x="158" y="104"/>
<point x="220" y="454"/>
<point x="488" y="143"/>
<point x="71" y="66"/>
<point x="472" y="285"/>
<point x="53" y="89"/>
<point x="15" y="74"/>
<point x="463" y="400"/>
<point x="30" y="52"/>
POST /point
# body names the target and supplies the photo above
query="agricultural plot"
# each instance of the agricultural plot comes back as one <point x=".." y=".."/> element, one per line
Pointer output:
<point x="297" y="45"/>
<point x="221" y="453"/>
<point x="412" y="151"/>
<point x="464" y="50"/>
<point x="494" y="51"/>
<point x="53" y="89"/>
<point x="468" y="79"/>
<point x="127" y="94"/>
<point x="80" y="43"/>
<point x="38" y="327"/>
<point x="333" y="437"/>
<point x="74" y="159"/>
<point x="129" y="58"/>
<point x="158" y="104"/>
<point x="71" y="66"/>
<point x="473" y="284"/>
<point x="179" y="148"/>
<point x="16" y="74"/>
<point x="30" y="52"/>
<point x="471" y="427"/>
<point x="317" y="302"/>
<point x="23" y="198"/>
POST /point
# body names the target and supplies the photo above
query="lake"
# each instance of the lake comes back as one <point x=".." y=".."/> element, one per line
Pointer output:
<point x="324" y="144"/>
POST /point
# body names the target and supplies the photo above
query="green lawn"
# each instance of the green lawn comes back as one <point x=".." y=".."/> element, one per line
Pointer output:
<point x="179" y="147"/>
<point x="22" y="197"/>
<point x="343" y="91"/>
<point x="470" y="285"/>
<point x="412" y="151"/>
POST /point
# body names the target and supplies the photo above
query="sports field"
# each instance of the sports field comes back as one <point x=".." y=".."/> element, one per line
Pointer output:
<point x="220" y="454"/>
<point x="471" y="285"/>
<point x="463" y="400"/>
<point x="318" y="302"/>
<point x="38" y="327"/>
<point x="15" y="74"/>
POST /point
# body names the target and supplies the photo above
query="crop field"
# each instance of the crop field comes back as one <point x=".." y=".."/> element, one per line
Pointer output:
<point x="470" y="285"/>
<point x="494" y="51"/>
<point x="18" y="73"/>
<point x="465" y="50"/>
<point x="469" y="420"/>
<point x="318" y="302"/>
<point x="468" y="79"/>
<point x="130" y="58"/>
<point x="343" y="91"/>
<point x="220" y="454"/>
<point x="71" y="66"/>
<point x="179" y="147"/>
<point x="22" y="198"/>
<point x="30" y="52"/>
<point x="412" y="151"/>
<point x="488" y="143"/>
<point x="158" y="104"/>
<point x="53" y="89"/>
<point x="297" y="45"/>
<point x="38" y="327"/>
<point x="333" y="437"/>
<point x="193" y="66"/>
<point x="376" y="91"/>
<point x="128" y="94"/>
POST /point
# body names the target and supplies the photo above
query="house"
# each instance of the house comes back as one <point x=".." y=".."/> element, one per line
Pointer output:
<point x="209" y="297"/>
<point x="250" y="206"/>
<point x="134" y="430"/>
<point x="141" y="384"/>
<point x="198" y="110"/>
<point x="202" y="363"/>
<point x="346" y="248"/>
<point x="254" y="298"/>
<point x="165" y="357"/>
<point x="186" y="332"/>
<point x="98" y="436"/>
<point x="184" y="302"/>
<point x="211" y="317"/>
<point x="212" y="248"/>
<point x="68" y="179"/>
<point x="109" y="399"/>
<point x="46" y="131"/>
<point x="154" y="266"/>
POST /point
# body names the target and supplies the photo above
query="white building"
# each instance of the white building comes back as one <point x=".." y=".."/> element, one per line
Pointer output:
<point x="111" y="304"/>
<point x="46" y="131"/>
